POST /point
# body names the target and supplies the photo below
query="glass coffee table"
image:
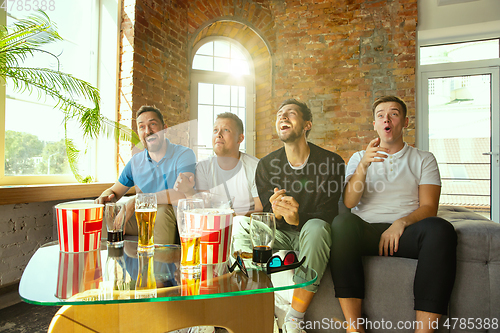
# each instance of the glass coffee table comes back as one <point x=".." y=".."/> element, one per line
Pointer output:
<point x="112" y="290"/>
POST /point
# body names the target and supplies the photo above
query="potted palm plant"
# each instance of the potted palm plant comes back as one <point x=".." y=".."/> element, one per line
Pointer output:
<point x="77" y="99"/>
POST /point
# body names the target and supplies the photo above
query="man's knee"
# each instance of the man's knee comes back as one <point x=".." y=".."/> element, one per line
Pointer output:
<point x="344" y="222"/>
<point x="241" y="225"/>
<point x="439" y="230"/>
<point x="165" y="225"/>
<point x="315" y="229"/>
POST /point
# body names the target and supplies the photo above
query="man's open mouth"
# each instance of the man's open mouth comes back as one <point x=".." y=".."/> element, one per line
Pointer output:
<point x="284" y="126"/>
<point x="151" y="138"/>
<point x="387" y="129"/>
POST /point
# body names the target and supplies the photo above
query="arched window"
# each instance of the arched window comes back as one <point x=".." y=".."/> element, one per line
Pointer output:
<point x="222" y="80"/>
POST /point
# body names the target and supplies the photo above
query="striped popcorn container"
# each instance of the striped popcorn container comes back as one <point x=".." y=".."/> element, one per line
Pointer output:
<point x="79" y="225"/>
<point x="78" y="272"/>
<point x="216" y="234"/>
<point x="213" y="279"/>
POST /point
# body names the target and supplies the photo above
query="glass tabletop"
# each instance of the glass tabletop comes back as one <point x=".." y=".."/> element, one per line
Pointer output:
<point x="122" y="275"/>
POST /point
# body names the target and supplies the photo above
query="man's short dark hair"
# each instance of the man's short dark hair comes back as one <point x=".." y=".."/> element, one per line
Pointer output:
<point x="235" y="118"/>
<point x="304" y="110"/>
<point x="148" y="108"/>
<point x="385" y="99"/>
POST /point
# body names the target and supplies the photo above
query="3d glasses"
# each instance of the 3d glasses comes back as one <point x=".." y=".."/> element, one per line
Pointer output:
<point x="275" y="264"/>
<point x="239" y="262"/>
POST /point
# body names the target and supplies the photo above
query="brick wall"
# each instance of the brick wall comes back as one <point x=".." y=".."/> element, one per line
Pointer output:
<point x="336" y="55"/>
<point x="23" y="229"/>
<point x="153" y="65"/>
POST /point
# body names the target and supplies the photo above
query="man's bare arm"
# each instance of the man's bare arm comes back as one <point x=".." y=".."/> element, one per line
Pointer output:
<point x="356" y="185"/>
<point x="428" y="196"/>
<point x="112" y="194"/>
<point x="171" y="196"/>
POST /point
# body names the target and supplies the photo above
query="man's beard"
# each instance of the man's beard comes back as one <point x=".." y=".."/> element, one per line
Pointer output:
<point x="290" y="137"/>
<point x="153" y="147"/>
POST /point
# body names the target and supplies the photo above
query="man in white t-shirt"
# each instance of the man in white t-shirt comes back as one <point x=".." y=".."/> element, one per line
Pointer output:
<point x="230" y="173"/>
<point x="393" y="190"/>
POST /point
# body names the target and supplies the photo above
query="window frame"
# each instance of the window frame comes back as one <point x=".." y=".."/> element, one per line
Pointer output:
<point x="214" y="77"/>
<point x="106" y="15"/>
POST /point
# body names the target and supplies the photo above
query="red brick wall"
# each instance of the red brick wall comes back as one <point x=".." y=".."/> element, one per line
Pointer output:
<point x="154" y="63"/>
<point x="336" y="55"/>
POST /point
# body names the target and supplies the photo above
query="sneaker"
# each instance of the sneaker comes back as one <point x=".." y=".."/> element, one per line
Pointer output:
<point x="292" y="327"/>
<point x="276" y="328"/>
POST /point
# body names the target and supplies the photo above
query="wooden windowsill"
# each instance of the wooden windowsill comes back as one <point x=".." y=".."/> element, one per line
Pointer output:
<point x="52" y="192"/>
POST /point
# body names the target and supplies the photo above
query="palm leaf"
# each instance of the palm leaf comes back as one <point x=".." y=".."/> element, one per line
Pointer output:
<point x="25" y="38"/>
<point x="72" y="153"/>
<point x="114" y="129"/>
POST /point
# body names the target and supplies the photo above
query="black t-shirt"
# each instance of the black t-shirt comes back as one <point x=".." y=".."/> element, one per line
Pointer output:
<point x="317" y="186"/>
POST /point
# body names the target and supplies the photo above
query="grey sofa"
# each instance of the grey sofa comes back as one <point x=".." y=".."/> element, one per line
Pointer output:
<point x="389" y="284"/>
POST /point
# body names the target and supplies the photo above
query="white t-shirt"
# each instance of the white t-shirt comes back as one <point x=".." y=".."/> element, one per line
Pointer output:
<point x="391" y="186"/>
<point x="240" y="180"/>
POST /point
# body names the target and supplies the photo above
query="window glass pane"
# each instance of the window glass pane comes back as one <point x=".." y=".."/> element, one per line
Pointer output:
<point x="222" y="65"/>
<point x="34" y="129"/>
<point x="221" y="109"/>
<point x="439" y="54"/>
<point x="203" y="63"/>
<point x="222" y="95"/>
<point x="205" y="93"/>
<point x="242" y="114"/>
<point x="459" y="134"/>
<point x="221" y="56"/>
<point x="221" y="49"/>
<point x="239" y="67"/>
<point x="242" y="99"/>
<point x="205" y="125"/>
<point x="236" y="53"/>
<point x="234" y="96"/>
<point x="206" y="49"/>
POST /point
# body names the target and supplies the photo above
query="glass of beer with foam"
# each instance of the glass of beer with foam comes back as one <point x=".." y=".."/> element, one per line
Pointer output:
<point x="145" y="213"/>
<point x="190" y="224"/>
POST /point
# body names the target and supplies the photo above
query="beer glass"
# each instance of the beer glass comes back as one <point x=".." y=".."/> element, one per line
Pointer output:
<point x="145" y="213"/>
<point x="145" y="285"/>
<point x="262" y="233"/>
<point x="190" y="227"/>
<point x="114" y="217"/>
<point x="190" y="283"/>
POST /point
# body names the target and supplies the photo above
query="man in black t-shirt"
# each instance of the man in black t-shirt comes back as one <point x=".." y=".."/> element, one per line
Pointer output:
<point x="301" y="184"/>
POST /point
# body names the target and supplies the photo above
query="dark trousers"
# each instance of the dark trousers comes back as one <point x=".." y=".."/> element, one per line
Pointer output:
<point x="432" y="241"/>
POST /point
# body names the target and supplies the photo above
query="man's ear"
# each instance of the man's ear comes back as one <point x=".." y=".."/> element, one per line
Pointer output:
<point x="407" y="120"/>
<point x="241" y="137"/>
<point x="308" y="126"/>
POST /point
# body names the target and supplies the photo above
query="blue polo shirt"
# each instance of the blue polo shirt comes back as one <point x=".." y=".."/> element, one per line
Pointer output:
<point x="152" y="177"/>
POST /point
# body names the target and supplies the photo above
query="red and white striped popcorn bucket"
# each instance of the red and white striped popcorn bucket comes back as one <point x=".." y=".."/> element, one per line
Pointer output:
<point x="78" y="272"/>
<point x="215" y="242"/>
<point x="212" y="280"/>
<point x="79" y="225"/>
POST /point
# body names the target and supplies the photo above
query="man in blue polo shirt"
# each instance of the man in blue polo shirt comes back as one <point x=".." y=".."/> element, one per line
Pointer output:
<point x="154" y="170"/>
